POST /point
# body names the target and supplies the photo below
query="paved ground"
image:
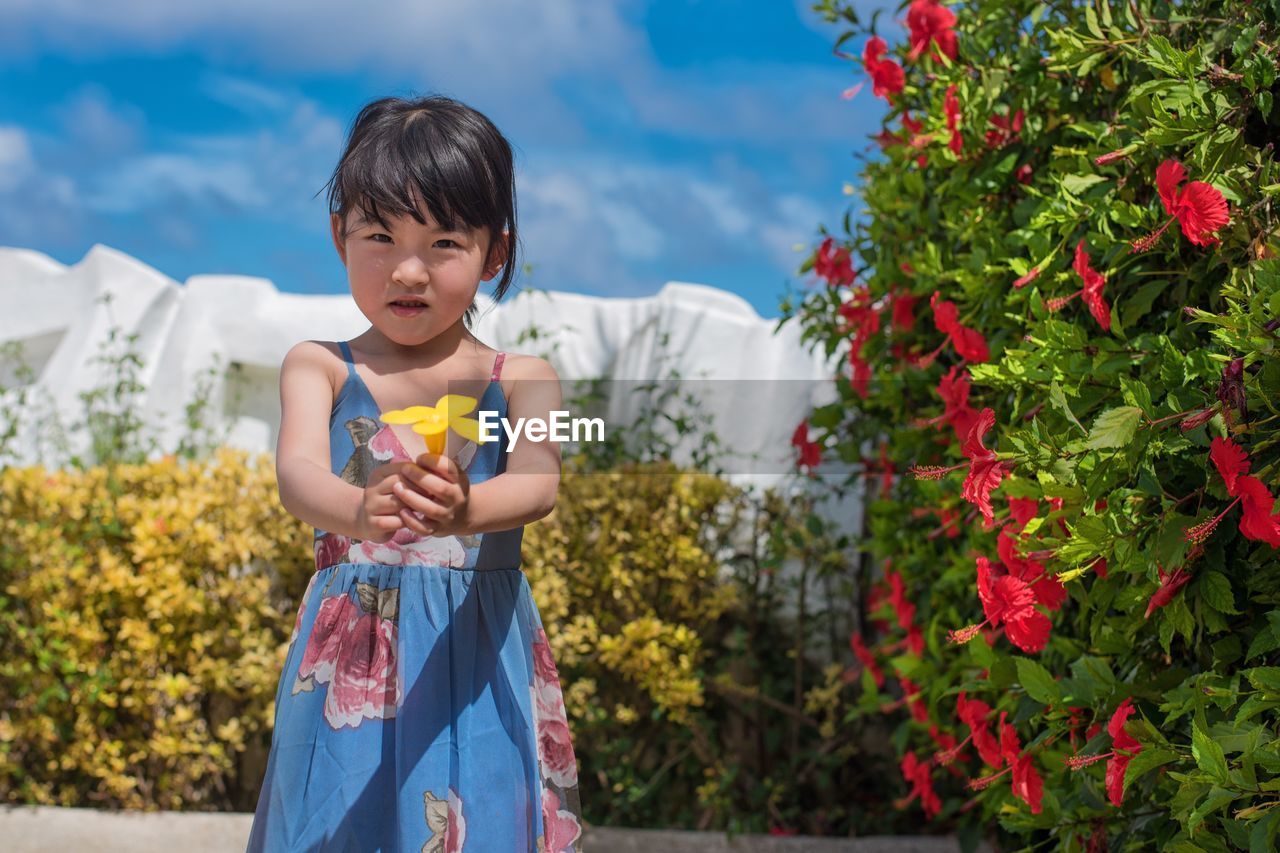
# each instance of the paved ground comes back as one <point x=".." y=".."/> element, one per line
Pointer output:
<point x="37" y="829"/>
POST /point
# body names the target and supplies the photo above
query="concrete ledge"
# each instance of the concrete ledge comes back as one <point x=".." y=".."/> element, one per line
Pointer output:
<point x="41" y="829"/>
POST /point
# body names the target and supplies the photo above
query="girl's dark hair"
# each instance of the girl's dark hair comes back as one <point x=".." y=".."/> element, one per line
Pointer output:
<point x="449" y="153"/>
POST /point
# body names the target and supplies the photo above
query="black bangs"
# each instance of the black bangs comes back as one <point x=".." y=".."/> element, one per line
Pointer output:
<point x="404" y="154"/>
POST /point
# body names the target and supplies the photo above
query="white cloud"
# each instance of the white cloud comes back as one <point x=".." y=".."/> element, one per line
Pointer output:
<point x="242" y="94"/>
<point x="34" y="205"/>
<point x="15" y="157"/>
<point x="587" y="219"/>
<point x="795" y="224"/>
<point x="96" y="124"/>
<point x="148" y="180"/>
<point x="498" y="46"/>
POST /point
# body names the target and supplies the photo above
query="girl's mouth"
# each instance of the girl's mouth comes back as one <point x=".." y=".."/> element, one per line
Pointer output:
<point x="407" y="309"/>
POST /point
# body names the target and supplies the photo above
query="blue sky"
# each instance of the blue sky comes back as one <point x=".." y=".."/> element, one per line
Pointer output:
<point x="655" y="140"/>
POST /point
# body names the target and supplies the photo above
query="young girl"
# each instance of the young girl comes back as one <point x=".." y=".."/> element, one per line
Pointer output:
<point x="419" y="708"/>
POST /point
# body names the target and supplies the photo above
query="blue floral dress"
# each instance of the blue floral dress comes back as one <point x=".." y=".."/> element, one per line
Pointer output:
<point x="422" y="709"/>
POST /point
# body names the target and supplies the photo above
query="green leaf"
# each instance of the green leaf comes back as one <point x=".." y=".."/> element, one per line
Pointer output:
<point x="1218" y="797"/>
<point x="1114" y="427"/>
<point x="1076" y="184"/>
<point x="1216" y="590"/>
<point x="1207" y="753"/>
<point x="1264" y="641"/>
<point x="1145" y="761"/>
<point x="1264" y="678"/>
<point x="1038" y="682"/>
<point x="1059" y="401"/>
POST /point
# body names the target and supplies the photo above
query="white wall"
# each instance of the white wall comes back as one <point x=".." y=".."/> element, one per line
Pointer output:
<point x="54" y="310"/>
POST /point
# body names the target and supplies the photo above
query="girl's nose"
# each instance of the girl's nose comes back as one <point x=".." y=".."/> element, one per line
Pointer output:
<point x="411" y="270"/>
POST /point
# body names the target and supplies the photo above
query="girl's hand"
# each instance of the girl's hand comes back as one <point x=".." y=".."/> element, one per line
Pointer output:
<point x="378" y="517"/>
<point x="436" y="494"/>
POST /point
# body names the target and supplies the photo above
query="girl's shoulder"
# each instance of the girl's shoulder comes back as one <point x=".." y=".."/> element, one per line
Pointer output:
<point x="517" y="366"/>
<point x="328" y="355"/>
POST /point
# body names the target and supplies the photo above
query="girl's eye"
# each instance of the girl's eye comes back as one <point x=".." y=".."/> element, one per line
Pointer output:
<point x="373" y="236"/>
<point x="446" y="240"/>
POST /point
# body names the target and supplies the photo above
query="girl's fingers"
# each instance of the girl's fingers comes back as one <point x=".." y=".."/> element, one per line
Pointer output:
<point x="415" y="500"/>
<point x="415" y="524"/>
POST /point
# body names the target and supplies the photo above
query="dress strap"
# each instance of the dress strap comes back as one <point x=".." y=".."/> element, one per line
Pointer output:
<point x="346" y="356"/>
<point x="497" y="367"/>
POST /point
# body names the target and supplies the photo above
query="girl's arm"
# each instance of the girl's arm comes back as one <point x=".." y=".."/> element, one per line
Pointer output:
<point x="309" y="490"/>
<point x="526" y="491"/>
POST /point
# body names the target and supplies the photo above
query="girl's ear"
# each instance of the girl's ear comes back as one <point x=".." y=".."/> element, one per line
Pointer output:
<point x="339" y="240"/>
<point x="497" y="256"/>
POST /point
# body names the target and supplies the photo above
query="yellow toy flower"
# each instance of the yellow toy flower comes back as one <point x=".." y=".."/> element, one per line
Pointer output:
<point x="433" y="422"/>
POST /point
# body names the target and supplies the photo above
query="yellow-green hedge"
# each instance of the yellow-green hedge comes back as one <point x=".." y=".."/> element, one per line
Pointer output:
<point x="145" y="612"/>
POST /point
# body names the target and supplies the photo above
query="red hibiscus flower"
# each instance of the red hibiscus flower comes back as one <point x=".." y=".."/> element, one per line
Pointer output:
<point x="1093" y="282"/>
<point x="861" y="318"/>
<point x="969" y="344"/>
<point x="954" y="391"/>
<point x="1170" y="583"/>
<point x="916" y="774"/>
<point x="1048" y="590"/>
<point x="1006" y="129"/>
<point x="1022" y="510"/>
<point x="877" y="598"/>
<point x="911" y="694"/>
<point x="1027" y="784"/>
<point x="835" y="266"/>
<point x="1111" y="157"/>
<point x="1198" y="207"/>
<point x="912" y="137"/>
<point x="1023" y="280"/>
<point x="985" y="469"/>
<point x="886" y="75"/>
<point x="930" y="21"/>
<point x="863" y="321"/>
<point x="904" y="318"/>
<point x="1256" y="521"/>
<point x="905" y="610"/>
<point x="973" y="713"/>
<point x="810" y="452"/>
<point x="1007" y="600"/>
<point x="1123" y="748"/>
<point x="867" y="659"/>
<point x="951" y="105"/>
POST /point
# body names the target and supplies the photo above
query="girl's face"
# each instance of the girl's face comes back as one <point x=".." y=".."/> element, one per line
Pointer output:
<point x="445" y="268"/>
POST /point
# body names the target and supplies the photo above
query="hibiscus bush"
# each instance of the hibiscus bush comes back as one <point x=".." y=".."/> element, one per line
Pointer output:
<point x="1055" y="313"/>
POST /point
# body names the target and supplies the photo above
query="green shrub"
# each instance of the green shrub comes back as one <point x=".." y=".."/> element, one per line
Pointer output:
<point x="1115" y="604"/>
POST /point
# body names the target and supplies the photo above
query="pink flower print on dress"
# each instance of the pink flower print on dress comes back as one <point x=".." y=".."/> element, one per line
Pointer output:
<point x="555" y="746"/>
<point x="352" y="649"/>
<point x="331" y="549"/>
<point x="444" y="819"/>
<point x="365" y="685"/>
<point x="384" y="445"/>
<point x="407" y="548"/>
<point x="560" y="828"/>
<point x="333" y="620"/>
